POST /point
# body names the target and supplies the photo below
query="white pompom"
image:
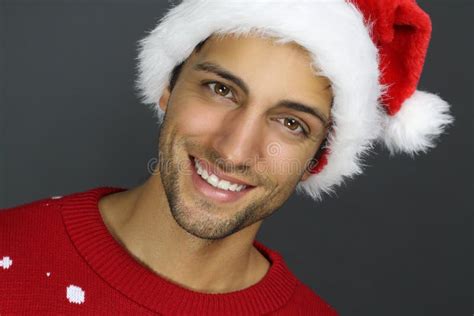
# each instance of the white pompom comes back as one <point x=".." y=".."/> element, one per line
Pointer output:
<point x="415" y="127"/>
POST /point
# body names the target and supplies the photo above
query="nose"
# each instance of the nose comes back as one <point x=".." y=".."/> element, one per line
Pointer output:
<point x="239" y="137"/>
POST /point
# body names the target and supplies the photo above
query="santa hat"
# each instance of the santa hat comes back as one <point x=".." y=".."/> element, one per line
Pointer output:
<point x="372" y="51"/>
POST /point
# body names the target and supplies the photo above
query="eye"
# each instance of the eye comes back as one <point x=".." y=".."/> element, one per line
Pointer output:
<point x="294" y="125"/>
<point x="220" y="89"/>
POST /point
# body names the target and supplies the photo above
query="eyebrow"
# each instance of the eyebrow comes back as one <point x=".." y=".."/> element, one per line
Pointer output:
<point x="304" y="108"/>
<point x="297" y="106"/>
<point x="221" y="72"/>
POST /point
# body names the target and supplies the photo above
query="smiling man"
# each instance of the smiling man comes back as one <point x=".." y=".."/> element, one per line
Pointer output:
<point x="208" y="197"/>
<point x="252" y="108"/>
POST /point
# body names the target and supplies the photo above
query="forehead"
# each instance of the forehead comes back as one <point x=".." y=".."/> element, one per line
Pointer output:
<point x="261" y="60"/>
<point x="252" y="39"/>
<point x="255" y="47"/>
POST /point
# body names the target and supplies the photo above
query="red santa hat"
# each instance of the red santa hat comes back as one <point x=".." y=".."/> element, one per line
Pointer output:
<point x="372" y="51"/>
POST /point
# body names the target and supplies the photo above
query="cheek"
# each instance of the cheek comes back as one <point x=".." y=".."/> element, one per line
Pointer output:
<point x="284" y="162"/>
<point x="195" y="117"/>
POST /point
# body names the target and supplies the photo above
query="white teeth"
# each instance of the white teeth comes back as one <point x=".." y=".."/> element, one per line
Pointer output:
<point x="213" y="180"/>
<point x="223" y="184"/>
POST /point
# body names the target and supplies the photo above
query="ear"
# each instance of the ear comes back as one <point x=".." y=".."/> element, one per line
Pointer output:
<point x="305" y="176"/>
<point x="163" y="102"/>
<point x="309" y="166"/>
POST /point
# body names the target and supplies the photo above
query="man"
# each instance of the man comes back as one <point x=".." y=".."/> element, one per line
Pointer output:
<point x="255" y="100"/>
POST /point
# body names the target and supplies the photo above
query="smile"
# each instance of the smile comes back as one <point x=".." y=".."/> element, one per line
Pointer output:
<point x="215" y="187"/>
<point x="213" y="180"/>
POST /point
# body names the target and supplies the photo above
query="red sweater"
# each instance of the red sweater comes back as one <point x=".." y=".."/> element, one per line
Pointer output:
<point x="57" y="257"/>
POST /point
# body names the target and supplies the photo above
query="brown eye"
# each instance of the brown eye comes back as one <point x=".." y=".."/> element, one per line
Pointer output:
<point x="221" y="89"/>
<point x="293" y="125"/>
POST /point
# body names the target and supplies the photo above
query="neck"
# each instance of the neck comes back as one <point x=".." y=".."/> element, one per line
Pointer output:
<point x="140" y="219"/>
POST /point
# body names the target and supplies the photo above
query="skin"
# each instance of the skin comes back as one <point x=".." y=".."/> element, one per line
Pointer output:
<point x="165" y="223"/>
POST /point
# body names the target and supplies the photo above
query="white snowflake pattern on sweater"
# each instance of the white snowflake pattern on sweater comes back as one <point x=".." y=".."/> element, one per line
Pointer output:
<point x="75" y="294"/>
<point x="6" y="263"/>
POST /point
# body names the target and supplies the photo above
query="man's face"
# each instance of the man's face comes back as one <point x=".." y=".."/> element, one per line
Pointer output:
<point x="248" y="130"/>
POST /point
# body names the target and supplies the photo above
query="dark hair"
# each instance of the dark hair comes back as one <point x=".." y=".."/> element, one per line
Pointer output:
<point x="177" y="69"/>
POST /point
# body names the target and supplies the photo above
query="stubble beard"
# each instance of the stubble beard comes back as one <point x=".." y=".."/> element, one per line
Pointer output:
<point x="202" y="218"/>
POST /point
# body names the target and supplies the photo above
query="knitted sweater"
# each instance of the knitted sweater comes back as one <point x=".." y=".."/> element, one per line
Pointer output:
<point x="57" y="257"/>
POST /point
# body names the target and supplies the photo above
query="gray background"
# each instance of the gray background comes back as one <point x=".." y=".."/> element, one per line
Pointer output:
<point x="395" y="241"/>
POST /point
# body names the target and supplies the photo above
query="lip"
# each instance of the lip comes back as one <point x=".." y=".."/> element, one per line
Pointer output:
<point x="214" y="193"/>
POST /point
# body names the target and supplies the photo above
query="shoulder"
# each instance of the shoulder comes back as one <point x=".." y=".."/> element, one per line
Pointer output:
<point x="24" y="214"/>
<point x="310" y="302"/>
<point x="43" y="218"/>
<point x="24" y="223"/>
<point x="305" y="301"/>
<point x="301" y="299"/>
<point x="31" y="223"/>
<point x="44" y="208"/>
